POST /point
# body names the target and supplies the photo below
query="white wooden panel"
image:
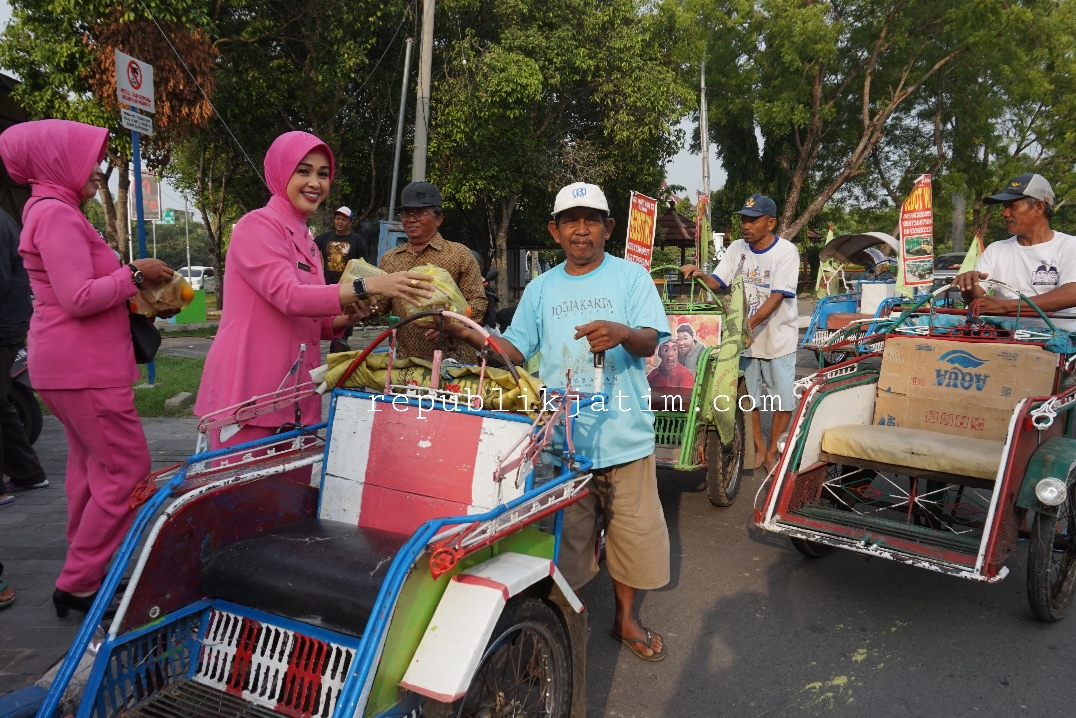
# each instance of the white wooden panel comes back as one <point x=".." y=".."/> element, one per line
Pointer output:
<point x="854" y="405"/>
<point x="498" y="436"/>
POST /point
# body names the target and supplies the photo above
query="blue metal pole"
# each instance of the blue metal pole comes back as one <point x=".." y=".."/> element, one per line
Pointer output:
<point x="151" y="370"/>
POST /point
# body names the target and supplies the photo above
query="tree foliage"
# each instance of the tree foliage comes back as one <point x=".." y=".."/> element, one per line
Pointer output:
<point x="530" y="96"/>
<point x="853" y="99"/>
<point x="63" y="53"/>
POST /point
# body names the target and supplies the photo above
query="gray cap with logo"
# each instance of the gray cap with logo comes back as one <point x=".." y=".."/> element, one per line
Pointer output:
<point x="1029" y="185"/>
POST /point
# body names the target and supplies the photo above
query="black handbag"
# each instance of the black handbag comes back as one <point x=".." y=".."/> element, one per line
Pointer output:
<point x="145" y="337"/>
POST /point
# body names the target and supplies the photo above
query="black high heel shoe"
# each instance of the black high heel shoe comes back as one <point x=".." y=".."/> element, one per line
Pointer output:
<point x="65" y="602"/>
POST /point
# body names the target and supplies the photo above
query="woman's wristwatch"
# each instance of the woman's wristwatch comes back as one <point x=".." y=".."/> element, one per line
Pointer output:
<point x="359" y="287"/>
<point x="136" y="275"/>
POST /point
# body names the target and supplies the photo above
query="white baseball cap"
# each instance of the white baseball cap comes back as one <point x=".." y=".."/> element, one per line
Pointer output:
<point x="346" y="211"/>
<point x="580" y="194"/>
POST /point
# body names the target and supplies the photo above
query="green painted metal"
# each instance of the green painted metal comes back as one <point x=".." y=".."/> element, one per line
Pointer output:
<point x="418" y="600"/>
<point x="1054" y="458"/>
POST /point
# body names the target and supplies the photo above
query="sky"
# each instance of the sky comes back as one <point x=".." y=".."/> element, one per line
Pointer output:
<point x="685" y="169"/>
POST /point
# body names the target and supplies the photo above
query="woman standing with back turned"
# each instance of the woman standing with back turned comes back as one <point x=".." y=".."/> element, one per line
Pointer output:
<point x="80" y="354"/>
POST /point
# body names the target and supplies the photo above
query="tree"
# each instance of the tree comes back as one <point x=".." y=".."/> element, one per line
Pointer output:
<point x="825" y="84"/>
<point x="281" y="67"/>
<point x="525" y="101"/>
<point x="64" y="55"/>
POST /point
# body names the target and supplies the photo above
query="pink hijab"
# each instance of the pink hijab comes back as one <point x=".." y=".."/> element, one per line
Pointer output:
<point x="284" y="156"/>
<point x="54" y="156"/>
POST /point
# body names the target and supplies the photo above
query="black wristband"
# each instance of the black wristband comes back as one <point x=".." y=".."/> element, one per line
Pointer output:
<point x="359" y="287"/>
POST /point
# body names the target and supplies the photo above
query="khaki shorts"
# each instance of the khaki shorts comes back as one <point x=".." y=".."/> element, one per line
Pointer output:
<point x="636" y="537"/>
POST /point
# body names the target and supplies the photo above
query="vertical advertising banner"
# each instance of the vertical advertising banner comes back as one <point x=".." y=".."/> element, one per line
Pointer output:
<point x="642" y="224"/>
<point x="704" y="236"/>
<point x="917" y="238"/>
<point x="151" y="198"/>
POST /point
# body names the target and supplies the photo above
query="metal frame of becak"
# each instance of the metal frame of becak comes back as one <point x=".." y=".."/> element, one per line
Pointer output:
<point x="946" y="519"/>
<point x="476" y="545"/>
<point x="709" y="432"/>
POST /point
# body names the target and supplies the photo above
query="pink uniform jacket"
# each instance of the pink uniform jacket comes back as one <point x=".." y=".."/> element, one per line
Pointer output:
<point x="276" y="299"/>
<point x="80" y="336"/>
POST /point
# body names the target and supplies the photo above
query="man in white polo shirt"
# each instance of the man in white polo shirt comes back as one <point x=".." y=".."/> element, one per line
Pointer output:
<point x="770" y="268"/>
<point x="1036" y="261"/>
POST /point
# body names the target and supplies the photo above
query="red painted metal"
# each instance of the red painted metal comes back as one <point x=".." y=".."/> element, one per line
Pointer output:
<point x="1024" y="444"/>
<point x="864" y="535"/>
<point x="212" y="521"/>
<point x="446" y="554"/>
<point x="433" y="457"/>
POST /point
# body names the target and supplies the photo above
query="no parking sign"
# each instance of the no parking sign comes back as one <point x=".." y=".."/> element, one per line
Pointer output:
<point x="134" y="82"/>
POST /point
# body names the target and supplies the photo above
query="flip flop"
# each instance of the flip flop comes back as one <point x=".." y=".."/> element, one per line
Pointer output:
<point x="630" y="643"/>
<point x="6" y="500"/>
<point x="5" y="604"/>
<point x="13" y="488"/>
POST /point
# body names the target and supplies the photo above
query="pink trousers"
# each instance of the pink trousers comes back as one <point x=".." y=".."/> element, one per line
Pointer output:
<point x="107" y="456"/>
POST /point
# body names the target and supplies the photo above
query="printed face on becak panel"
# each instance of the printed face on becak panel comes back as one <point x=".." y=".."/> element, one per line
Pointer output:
<point x="309" y="184"/>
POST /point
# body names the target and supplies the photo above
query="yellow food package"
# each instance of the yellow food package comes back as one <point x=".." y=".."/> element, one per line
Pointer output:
<point x="156" y="297"/>
<point x="359" y="269"/>
<point x="446" y="295"/>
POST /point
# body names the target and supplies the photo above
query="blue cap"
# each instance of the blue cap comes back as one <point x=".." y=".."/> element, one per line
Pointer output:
<point x="758" y="205"/>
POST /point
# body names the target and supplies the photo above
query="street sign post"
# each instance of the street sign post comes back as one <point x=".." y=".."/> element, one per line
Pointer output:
<point x="142" y="124"/>
<point x="168" y="217"/>
<point x="134" y="87"/>
<point x="134" y="82"/>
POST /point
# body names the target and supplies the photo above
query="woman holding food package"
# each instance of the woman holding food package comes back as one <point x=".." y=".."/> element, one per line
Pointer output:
<point x="80" y="353"/>
<point x="277" y="299"/>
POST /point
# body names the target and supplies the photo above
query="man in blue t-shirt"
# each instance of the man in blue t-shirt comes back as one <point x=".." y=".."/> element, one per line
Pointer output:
<point x="595" y="302"/>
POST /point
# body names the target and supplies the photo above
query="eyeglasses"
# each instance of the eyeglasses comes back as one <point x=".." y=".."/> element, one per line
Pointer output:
<point x="415" y="212"/>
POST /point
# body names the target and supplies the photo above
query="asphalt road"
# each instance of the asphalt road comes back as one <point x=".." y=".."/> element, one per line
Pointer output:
<point x="755" y="629"/>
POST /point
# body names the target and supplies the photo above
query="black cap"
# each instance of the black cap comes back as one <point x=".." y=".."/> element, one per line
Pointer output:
<point x="758" y="205"/>
<point x="420" y="194"/>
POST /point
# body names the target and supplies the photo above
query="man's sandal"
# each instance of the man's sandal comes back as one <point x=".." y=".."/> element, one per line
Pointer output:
<point x="3" y="603"/>
<point x="630" y="643"/>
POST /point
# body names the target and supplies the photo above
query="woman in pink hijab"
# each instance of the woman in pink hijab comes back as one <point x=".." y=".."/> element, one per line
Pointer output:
<point x="277" y="298"/>
<point x="81" y="357"/>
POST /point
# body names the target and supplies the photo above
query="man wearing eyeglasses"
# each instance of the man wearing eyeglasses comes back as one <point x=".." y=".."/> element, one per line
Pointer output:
<point x="420" y="211"/>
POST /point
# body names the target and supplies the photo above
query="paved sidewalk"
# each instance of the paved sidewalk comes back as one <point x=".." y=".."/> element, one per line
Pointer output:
<point x="32" y="548"/>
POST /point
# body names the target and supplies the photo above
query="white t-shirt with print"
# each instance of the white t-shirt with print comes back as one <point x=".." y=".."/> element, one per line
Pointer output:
<point x="776" y="269"/>
<point x="1032" y="270"/>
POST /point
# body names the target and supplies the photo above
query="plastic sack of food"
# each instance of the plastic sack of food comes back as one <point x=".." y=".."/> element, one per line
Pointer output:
<point x="446" y="295"/>
<point x="359" y="269"/>
<point x="156" y="297"/>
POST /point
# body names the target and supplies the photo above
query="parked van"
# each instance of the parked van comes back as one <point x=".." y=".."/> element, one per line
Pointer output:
<point x="201" y="278"/>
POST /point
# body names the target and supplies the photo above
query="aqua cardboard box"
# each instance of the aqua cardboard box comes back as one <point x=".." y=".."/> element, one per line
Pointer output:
<point x="941" y="417"/>
<point x="955" y="373"/>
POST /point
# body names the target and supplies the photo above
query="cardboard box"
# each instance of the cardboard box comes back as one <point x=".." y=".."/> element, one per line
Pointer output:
<point x="995" y="376"/>
<point x="941" y="417"/>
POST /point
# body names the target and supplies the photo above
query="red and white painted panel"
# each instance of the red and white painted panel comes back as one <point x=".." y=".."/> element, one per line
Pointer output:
<point x="282" y="670"/>
<point x="394" y="467"/>
<point x="452" y="646"/>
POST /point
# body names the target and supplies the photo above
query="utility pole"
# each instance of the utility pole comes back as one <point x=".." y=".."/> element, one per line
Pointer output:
<point x="399" y="130"/>
<point x="422" y="108"/>
<point x="704" y="142"/>
<point x="187" y="231"/>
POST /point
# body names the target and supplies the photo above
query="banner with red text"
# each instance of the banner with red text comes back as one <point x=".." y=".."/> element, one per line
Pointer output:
<point x="916" y="238"/>
<point x="642" y="223"/>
